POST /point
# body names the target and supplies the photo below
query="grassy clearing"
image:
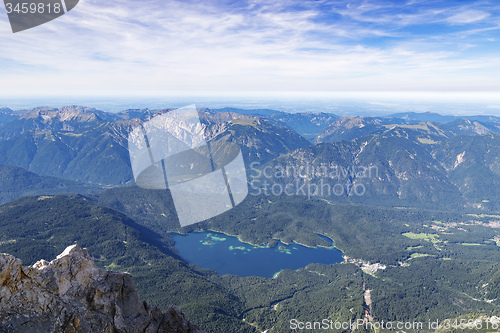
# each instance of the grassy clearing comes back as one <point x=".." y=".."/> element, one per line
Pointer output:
<point x="434" y="238"/>
<point x="481" y="216"/>
<point x="419" y="255"/>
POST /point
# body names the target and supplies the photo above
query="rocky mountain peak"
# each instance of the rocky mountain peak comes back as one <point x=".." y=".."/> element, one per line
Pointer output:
<point x="72" y="294"/>
<point x="67" y="113"/>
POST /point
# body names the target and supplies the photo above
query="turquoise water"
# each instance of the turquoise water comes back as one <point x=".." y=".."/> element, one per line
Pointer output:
<point x="227" y="255"/>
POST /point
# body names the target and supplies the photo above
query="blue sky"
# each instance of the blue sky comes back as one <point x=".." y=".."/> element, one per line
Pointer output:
<point x="154" y="47"/>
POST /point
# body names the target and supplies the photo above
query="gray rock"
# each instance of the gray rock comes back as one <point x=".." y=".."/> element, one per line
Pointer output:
<point x="71" y="294"/>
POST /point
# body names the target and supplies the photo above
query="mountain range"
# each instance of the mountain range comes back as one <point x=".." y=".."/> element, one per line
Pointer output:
<point x="416" y="193"/>
<point x="415" y="162"/>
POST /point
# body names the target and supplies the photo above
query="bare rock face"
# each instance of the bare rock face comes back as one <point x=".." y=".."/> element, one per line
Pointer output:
<point x="71" y="294"/>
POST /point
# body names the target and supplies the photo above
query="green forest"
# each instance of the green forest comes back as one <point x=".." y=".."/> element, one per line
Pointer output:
<point x="440" y="265"/>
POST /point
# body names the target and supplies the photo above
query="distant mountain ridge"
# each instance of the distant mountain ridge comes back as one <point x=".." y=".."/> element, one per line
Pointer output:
<point x="442" y="119"/>
<point x="17" y="182"/>
<point x="383" y="169"/>
<point x="88" y="145"/>
<point x="84" y="144"/>
<point x="6" y="116"/>
<point x="307" y="124"/>
<point x="259" y="138"/>
<point x="349" y="128"/>
<point x="93" y="152"/>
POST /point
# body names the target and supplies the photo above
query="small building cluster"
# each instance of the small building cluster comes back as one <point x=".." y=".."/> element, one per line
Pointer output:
<point x="365" y="265"/>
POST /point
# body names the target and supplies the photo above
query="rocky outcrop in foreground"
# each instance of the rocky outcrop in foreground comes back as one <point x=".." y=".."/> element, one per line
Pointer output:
<point x="71" y="294"/>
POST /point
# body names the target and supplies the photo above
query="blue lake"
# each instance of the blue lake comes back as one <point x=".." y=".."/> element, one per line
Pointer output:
<point x="227" y="255"/>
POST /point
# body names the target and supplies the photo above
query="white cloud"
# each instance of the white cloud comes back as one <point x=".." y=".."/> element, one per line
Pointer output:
<point x="128" y="47"/>
<point x="468" y="16"/>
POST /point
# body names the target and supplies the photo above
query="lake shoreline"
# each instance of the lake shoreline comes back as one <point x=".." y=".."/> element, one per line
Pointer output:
<point x="265" y="246"/>
<point x="216" y="250"/>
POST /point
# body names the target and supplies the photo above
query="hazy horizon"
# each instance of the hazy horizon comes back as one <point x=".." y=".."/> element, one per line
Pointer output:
<point x="340" y="103"/>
